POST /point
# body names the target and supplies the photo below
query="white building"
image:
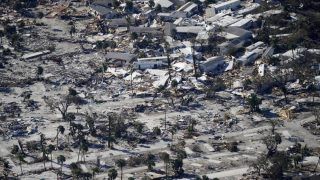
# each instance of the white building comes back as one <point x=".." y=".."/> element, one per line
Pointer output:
<point x="250" y="57"/>
<point x="150" y="62"/>
<point x="245" y="23"/>
<point x="232" y="4"/>
<point x="255" y="45"/>
<point x="212" y="64"/>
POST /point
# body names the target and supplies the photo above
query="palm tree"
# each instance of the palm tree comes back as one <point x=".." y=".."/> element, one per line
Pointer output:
<point x="315" y="169"/>
<point x="60" y="129"/>
<point x="111" y="120"/>
<point x="84" y="149"/>
<point x="6" y="169"/>
<point x="121" y="163"/>
<point x="254" y="102"/>
<point x="112" y="174"/>
<point x="166" y="46"/>
<point x="193" y="41"/>
<point x="43" y="149"/>
<point x="75" y="170"/>
<point x="50" y="150"/>
<point x="20" y="156"/>
<point x="94" y="171"/>
<point x="1" y="35"/>
<point x="150" y="160"/>
<point x="61" y="159"/>
<point x="39" y="71"/>
<point x="165" y="157"/>
<point x="173" y="130"/>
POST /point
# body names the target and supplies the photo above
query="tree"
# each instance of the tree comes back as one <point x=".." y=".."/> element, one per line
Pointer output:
<point x="194" y="58"/>
<point x="60" y="129"/>
<point x="259" y="164"/>
<point x="204" y="177"/>
<point x="156" y="131"/>
<point x="121" y="163"/>
<point x="72" y="29"/>
<point x="273" y="124"/>
<point x="116" y="4"/>
<point x="151" y="3"/>
<point x="43" y="149"/>
<point x="207" y="2"/>
<point x="134" y="36"/>
<point x="90" y="119"/>
<point x="129" y="5"/>
<point x="39" y="71"/>
<point x="112" y="117"/>
<point x="1" y="35"/>
<point x="15" y="149"/>
<point x="61" y="159"/>
<point x="84" y="147"/>
<point x="277" y="164"/>
<point x="150" y="161"/>
<point x="112" y="174"/>
<point x="165" y="157"/>
<point x="50" y="150"/>
<point x="94" y="171"/>
<point x="167" y="49"/>
<point x="272" y="142"/>
<point x="254" y="103"/>
<point x="72" y="92"/>
<point x="173" y="130"/>
<point x="6" y="168"/>
<point x="62" y="104"/>
<point x="177" y="166"/>
<point x="20" y="156"/>
<point x="316" y="113"/>
<point x="158" y="8"/>
<point x="75" y="170"/>
<point x="12" y="109"/>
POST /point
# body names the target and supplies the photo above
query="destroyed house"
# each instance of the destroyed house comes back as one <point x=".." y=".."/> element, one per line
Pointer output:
<point x="172" y="16"/>
<point x="239" y="32"/>
<point x="189" y="8"/>
<point x="146" y="31"/>
<point x="165" y="4"/>
<point x="102" y="11"/>
<point x="231" y="4"/>
<point x="120" y="58"/>
<point x="35" y="55"/>
<point x="188" y="31"/>
<point x="212" y="65"/>
<point x="117" y="22"/>
<point x="151" y="62"/>
<point x="234" y="44"/>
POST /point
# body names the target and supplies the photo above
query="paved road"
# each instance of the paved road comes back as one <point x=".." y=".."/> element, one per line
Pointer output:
<point x="294" y="128"/>
<point x="228" y="173"/>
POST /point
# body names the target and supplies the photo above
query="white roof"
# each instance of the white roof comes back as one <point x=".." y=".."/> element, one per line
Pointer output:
<point x="241" y="22"/>
<point x="164" y="3"/>
<point x="225" y="3"/>
<point x="189" y="29"/>
<point x="189" y="8"/>
<point x="225" y="20"/>
<point x="31" y="55"/>
<point x="255" y="45"/>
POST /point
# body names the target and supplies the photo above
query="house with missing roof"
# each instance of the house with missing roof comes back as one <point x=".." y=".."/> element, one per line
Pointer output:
<point x="189" y="8"/>
<point x="212" y="65"/>
<point x="119" y="59"/>
<point x="165" y="4"/>
<point x="237" y="38"/>
<point x="231" y="4"/>
<point x="102" y="9"/>
<point x="151" y="63"/>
